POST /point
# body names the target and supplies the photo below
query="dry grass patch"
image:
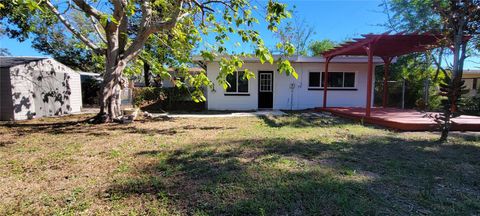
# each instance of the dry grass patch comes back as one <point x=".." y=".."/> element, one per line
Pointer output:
<point x="293" y="165"/>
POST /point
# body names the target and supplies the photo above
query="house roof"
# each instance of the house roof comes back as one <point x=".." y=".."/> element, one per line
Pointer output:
<point x="468" y="71"/>
<point x="386" y="45"/>
<point x="304" y="59"/>
<point x="192" y="70"/>
<point x="10" y="61"/>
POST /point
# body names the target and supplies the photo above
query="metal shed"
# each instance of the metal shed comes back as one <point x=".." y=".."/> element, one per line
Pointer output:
<point x="32" y="87"/>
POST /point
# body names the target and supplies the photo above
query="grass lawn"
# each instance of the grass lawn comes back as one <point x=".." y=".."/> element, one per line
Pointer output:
<point x="292" y="165"/>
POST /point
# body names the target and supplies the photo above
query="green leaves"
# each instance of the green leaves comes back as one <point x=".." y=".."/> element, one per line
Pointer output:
<point x="264" y="54"/>
<point x="319" y="46"/>
<point x="32" y="5"/>
<point x="285" y="67"/>
<point x="275" y="13"/>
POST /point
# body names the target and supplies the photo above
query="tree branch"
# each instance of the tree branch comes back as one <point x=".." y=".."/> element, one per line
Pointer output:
<point x="69" y="26"/>
<point x="89" y="9"/>
<point x="100" y="35"/>
<point x="148" y="27"/>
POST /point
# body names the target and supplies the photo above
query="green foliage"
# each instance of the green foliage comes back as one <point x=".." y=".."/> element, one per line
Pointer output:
<point x="317" y="47"/>
<point x="165" y="98"/>
<point x="166" y="47"/>
<point x="148" y="95"/>
<point x="470" y="105"/>
<point x="412" y="15"/>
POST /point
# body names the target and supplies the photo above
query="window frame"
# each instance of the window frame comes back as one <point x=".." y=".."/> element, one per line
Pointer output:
<point x="321" y="87"/>
<point x="236" y="92"/>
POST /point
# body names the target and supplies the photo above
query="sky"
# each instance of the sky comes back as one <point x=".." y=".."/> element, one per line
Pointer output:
<point x="336" y="20"/>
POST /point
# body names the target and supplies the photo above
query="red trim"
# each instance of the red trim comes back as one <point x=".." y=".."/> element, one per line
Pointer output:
<point x="325" y="82"/>
<point x="369" y="80"/>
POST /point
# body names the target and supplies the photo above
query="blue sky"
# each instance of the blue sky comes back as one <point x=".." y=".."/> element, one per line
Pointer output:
<point x="333" y="19"/>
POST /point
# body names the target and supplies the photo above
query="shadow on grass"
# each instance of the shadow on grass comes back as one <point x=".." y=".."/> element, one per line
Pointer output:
<point x="376" y="175"/>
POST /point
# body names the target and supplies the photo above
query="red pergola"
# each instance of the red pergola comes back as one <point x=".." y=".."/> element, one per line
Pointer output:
<point x="385" y="46"/>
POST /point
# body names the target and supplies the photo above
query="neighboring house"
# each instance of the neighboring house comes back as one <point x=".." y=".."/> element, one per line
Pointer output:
<point x="472" y="81"/>
<point x="36" y="86"/>
<point x="271" y="90"/>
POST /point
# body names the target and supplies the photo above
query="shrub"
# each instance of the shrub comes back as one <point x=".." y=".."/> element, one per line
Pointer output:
<point x="470" y="105"/>
<point x="158" y="99"/>
<point x="147" y="95"/>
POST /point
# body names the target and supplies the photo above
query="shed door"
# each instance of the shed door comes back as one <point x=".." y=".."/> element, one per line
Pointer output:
<point x="265" y="89"/>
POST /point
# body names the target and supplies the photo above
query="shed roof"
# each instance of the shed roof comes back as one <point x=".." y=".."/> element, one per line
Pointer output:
<point x="10" y="61"/>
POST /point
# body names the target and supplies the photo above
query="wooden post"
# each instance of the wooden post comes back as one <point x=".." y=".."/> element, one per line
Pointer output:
<point x="325" y="82"/>
<point x="369" y="80"/>
<point x="386" y="71"/>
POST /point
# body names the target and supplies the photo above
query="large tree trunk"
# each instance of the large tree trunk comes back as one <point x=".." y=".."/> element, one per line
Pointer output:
<point x="109" y="106"/>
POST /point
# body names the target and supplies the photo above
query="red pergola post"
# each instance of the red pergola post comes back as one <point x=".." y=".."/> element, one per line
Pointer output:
<point x="386" y="71"/>
<point x="369" y="79"/>
<point x="325" y="82"/>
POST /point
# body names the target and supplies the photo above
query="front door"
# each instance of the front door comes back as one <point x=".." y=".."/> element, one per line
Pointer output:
<point x="265" y="89"/>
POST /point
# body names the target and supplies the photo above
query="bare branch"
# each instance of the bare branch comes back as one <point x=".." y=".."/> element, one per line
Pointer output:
<point x="69" y="26"/>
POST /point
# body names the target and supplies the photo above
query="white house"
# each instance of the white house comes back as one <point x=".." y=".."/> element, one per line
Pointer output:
<point x="36" y="86"/>
<point x="472" y="82"/>
<point x="271" y="90"/>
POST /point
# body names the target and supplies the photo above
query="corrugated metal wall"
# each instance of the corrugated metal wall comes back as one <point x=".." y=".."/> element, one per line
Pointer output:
<point x="22" y="92"/>
<point x="45" y="88"/>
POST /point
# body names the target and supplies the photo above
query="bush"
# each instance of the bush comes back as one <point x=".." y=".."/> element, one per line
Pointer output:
<point x="470" y="105"/>
<point x="160" y="99"/>
<point x="147" y="95"/>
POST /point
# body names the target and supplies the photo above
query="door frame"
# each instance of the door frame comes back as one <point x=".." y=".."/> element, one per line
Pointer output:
<point x="258" y="88"/>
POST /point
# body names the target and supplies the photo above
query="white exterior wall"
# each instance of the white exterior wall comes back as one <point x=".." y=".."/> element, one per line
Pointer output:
<point x="282" y="93"/>
<point x="44" y="79"/>
<point x="22" y="93"/>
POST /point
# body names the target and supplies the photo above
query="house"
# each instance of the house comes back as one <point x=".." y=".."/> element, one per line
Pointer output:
<point x="33" y="87"/>
<point x="472" y="81"/>
<point x="271" y="90"/>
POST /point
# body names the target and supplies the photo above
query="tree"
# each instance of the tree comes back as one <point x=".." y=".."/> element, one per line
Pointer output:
<point x="317" y="47"/>
<point x="184" y="19"/>
<point x="4" y="52"/>
<point x="462" y="20"/>
<point x="297" y="32"/>
<point x="457" y="21"/>
<point x="54" y="41"/>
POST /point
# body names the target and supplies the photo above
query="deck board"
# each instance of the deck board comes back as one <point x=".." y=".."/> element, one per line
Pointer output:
<point x="404" y="119"/>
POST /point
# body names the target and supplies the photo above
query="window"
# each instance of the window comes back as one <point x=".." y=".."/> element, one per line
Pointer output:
<point x="266" y="82"/>
<point x="237" y="83"/>
<point x="314" y="79"/>
<point x="336" y="80"/>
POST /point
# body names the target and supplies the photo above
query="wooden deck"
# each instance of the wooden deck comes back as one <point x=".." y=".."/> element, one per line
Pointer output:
<point x="405" y="120"/>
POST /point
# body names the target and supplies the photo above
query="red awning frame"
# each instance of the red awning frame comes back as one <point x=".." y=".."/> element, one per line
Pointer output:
<point x="385" y="46"/>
